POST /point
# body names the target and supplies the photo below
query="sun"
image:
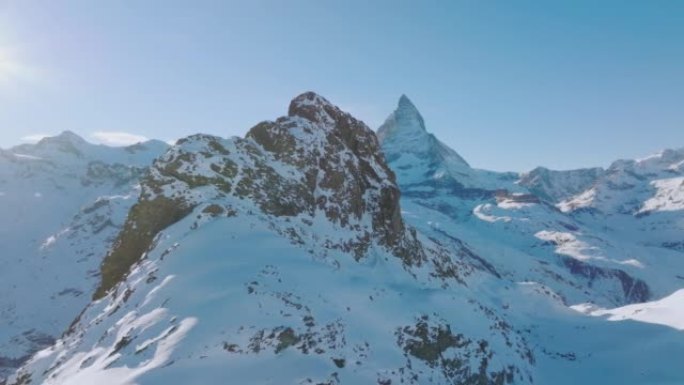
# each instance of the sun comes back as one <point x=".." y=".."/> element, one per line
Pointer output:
<point x="9" y="67"/>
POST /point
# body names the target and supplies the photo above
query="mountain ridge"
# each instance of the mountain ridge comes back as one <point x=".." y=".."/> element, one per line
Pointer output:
<point x="63" y="200"/>
<point x="316" y="252"/>
<point x="315" y="180"/>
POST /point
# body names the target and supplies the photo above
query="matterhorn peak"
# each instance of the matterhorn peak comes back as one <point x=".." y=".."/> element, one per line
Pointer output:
<point x="404" y="131"/>
<point x="412" y="150"/>
<point x="405" y="121"/>
<point x="405" y="104"/>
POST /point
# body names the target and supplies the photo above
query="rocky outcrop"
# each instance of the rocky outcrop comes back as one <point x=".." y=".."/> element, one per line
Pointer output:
<point x="634" y="289"/>
<point x="318" y="160"/>
<point x="346" y="176"/>
<point x="145" y="220"/>
<point x="449" y="353"/>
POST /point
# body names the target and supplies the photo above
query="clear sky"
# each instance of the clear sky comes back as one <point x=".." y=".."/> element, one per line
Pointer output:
<point x="508" y="84"/>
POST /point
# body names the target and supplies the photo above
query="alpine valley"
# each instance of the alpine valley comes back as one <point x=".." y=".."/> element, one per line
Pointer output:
<point x="317" y="251"/>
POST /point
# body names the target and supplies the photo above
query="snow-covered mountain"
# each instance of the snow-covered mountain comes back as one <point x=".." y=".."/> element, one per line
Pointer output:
<point x="312" y="251"/>
<point x="602" y="242"/>
<point x="642" y="199"/>
<point x="281" y="258"/>
<point x="456" y="203"/>
<point x="63" y="201"/>
<point x="423" y="163"/>
<point x="554" y="186"/>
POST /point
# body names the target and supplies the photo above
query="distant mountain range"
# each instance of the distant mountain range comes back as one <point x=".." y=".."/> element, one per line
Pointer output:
<point x="315" y="251"/>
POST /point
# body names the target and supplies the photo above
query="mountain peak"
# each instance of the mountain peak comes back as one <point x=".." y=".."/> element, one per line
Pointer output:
<point x="64" y="137"/>
<point x="309" y="98"/>
<point x="406" y="104"/>
<point x="414" y="151"/>
<point x="408" y="112"/>
<point x="312" y="106"/>
<point x="65" y="142"/>
<point x="405" y="121"/>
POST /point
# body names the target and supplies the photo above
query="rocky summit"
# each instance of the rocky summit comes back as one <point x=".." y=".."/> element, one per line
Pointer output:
<point x="315" y="251"/>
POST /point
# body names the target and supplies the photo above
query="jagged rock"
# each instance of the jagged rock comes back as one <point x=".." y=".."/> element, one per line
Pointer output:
<point x="335" y="169"/>
<point x="286" y="253"/>
<point x="309" y="197"/>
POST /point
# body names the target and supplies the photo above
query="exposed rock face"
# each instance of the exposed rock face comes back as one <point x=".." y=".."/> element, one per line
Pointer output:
<point x="346" y="175"/>
<point x="634" y="290"/>
<point x="285" y="253"/>
<point x="275" y="254"/>
<point x="145" y="220"/>
<point x="435" y="344"/>
<point x="318" y="160"/>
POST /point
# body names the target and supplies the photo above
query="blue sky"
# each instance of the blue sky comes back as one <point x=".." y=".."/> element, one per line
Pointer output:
<point x="508" y="84"/>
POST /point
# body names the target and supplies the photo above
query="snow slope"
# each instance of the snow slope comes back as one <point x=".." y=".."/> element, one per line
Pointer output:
<point x="291" y="257"/>
<point x="667" y="311"/>
<point x="640" y="200"/>
<point x="626" y="184"/>
<point x="63" y="200"/>
<point x="613" y="241"/>
<point x="290" y="264"/>
<point x="507" y="222"/>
